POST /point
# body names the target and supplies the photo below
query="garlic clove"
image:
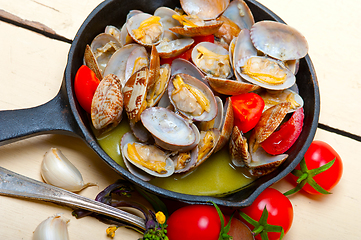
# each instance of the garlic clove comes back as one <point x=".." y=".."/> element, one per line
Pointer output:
<point x="58" y="171"/>
<point x="54" y="228"/>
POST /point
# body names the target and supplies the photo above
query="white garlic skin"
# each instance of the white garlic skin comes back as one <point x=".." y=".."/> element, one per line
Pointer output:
<point x="53" y="228"/>
<point x="58" y="171"/>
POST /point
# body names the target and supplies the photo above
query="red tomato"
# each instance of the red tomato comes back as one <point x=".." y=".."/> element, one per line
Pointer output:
<point x="85" y="84"/>
<point x="194" y="222"/>
<point x="198" y="39"/>
<point x="318" y="154"/>
<point x="280" y="211"/>
<point x="281" y="140"/>
<point x="247" y="110"/>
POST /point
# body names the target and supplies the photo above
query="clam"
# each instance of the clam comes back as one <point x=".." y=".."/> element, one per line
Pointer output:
<point x="166" y="17"/>
<point x="207" y="144"/>
<point x="135" y="92"/>
<point x="107" y="103"/>
<point x="212" y="59"/>
<point x="145" y="29"/>
<point x="274" y="97"/>
<point x="137" y="60"/>
<point x="170" y="131"/>
<point x="148" y="158"/>
<point x="263" y="163"/>
<point x="192" y="98"/>
<point x="158" y="89"/>
<point x="192" y="26"/>
<point x="238" y="12"/>
<point x="103" y="47"/>
<point x="259" y="162"/>
<point x="278" y="40"/>
<point x="91" y="62"/>
<point x="173" y="48"/>
<point x="238" y="148"/>
<point x="265" y="72"/>
<point x="118" y="62"/>
<point x="180" y="65"/>
<point x="204" y="9"/>
<point x="226" y="124"/>
<point x="184" y="161"/>
<point x="227" y="31"/>
<point x="114" y="31"/>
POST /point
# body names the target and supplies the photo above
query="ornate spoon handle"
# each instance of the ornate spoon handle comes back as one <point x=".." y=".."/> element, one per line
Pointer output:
<point x="16" y="185"/>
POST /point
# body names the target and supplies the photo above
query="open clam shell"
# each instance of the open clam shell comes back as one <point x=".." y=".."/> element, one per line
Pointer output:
<point x="274" y="97"/>
<point x="279" y="40"/>
<point x="204" y="9"/>
<point x="151" y="36"/>
<point x="137" y="59"/>
<point x="168" y="49"/>
<point x="263" y="163"/>
<point x="226" y="124"/>
<point x="212" y="59"/>
<point x="183" y="104"/>
<point x="180" y="65"/>
<point x="103" y="47"/>
<point x="165" y="14"/>
<point x="128" y="138"/>
<point x="135" y="93"/>
<point x="170" y="131"/>
<point x="160" y="86"/>
<point x="184" y="161"/>
<point x="118" y="62"/>
<point x="206" y="145"/>
<point x="114" y="31"/>
<point x="239" y="12"/>
<point x="210" y="27"/>
<point x="269" y="70"/>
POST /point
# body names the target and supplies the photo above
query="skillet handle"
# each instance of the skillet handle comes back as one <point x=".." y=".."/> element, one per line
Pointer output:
<point x="54" y="116"/>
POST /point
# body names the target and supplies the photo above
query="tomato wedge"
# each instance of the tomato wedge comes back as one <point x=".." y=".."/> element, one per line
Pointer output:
<point x="281" y="140"/>
<point x="85" y="84"/>
<point x="247" y="110"/>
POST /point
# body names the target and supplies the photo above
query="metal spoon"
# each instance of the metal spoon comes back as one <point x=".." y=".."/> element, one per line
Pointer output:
<point x="16" y="185"/>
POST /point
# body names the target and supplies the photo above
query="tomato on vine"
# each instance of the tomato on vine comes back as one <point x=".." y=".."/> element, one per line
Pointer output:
<point x="319" y="171"/>
<point x="270" y="216"/>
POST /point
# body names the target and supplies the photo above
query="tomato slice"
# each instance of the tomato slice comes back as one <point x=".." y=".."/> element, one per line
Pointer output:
<point x="247" y="110"/>
<point x="85" y="84"/>
<point x="281" y="140"/>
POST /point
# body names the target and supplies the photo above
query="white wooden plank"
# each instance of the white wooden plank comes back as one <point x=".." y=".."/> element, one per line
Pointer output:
<point x="332" y="31"/>
<point x="64" y="17"/>
<point x="31" y="66"/>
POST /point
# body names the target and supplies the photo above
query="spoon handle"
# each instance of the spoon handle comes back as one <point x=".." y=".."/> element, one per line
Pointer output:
<point x="16" y="185"/>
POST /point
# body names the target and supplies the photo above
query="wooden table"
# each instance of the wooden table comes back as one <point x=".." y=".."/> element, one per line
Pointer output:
<point x="32" y="66"/>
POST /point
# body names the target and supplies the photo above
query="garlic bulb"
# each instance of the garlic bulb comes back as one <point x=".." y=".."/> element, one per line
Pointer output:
<point x="54" y="228"/>
<point x="57" y="170"/>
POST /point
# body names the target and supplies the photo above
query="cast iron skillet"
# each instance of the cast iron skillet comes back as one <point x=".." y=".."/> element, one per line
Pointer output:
<point x="63" y="115"/>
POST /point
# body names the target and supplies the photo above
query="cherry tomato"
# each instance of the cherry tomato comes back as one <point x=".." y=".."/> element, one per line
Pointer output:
<point x="280" y="211"/>
<point x="247" y="110"/>
<point x="194" y="222"/>
<point x="318" y="154"/>
<point x="281" y="140"/>
<point x="85" y="84"/>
